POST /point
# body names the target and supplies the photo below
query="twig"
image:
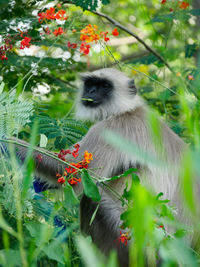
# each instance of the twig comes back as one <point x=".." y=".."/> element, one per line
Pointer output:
<point x="119" y="25"/>
<point x="60" y="80"/>
<point x="96" y="178"/>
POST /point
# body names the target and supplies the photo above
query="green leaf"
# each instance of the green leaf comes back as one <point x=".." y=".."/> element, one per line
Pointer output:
<point x="190" y="50"/>
<point x="164" y="95"/>
<point x="34" y="228"/>
<point x="10" y="257"/>
<point x="179" y="15"/>
<point x="27" y="61"/>
<point x="126" y="173"/>
<point x="147" y="60"/>
<point x="55" y="253"/>
<point x="89" y="187"/>
<point x="88" y="252"/>
<point x="105" y="2"/>
<point x="87" y="4"/>
<point x="1" y="87"/>
<point x="180" y="233"/>
<point x="94" y="214"/>
<point x="43" y="140"/>
<point x="70" y="197"/>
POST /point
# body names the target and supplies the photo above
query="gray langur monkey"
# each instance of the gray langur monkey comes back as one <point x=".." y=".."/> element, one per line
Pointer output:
<point x="110" y="97"/>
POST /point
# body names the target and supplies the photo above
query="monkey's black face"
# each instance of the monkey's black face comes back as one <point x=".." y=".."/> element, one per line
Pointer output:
<point x="96" y="91"/>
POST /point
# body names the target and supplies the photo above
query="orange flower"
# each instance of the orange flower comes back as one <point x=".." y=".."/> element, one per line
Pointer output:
<point x="70" y="169"/>
<point x="115" y="32"/>
<point x="74" y="181"/>
<point x="123" y="238"/>
<point x="59" y="31"/>
<point x="89" y="33"/>
<point x="88" y="156"/>
<point x="50" y="13"/>
<point x="183" y="5"/>
<point x="61" y="15"/>
<point x="163" y="2"/>
<point x="89" y="29"/>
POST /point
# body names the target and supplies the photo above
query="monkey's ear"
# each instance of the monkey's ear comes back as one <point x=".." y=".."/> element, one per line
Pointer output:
<point x="132" y="87"/>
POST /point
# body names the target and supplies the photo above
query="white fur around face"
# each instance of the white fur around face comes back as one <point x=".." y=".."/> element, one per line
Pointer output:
<point x="122" y="100"/>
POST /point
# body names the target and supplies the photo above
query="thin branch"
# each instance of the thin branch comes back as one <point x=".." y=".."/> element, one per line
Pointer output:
<point x="120" y="26"/>
<point x="124" y="58"/>
<point x="61" y="81"/>
<point x="51" y="155"/>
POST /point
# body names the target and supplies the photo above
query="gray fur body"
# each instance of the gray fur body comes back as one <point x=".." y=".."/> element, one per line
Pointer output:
<point x="125" y="114"/>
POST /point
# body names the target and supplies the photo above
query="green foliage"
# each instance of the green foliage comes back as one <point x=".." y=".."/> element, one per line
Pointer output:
<point x="180" y="15"/>
<point x="65" y="132"/>
<point x="89" y="187"/>
<point x="28" y="232"/>
<point x="15" y="113"/>
<point x="90" y="4"/>
<point x="70" y="197"/>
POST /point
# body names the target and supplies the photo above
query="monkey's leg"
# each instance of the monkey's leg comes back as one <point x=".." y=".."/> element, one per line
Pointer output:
<point x="105" y="228"/>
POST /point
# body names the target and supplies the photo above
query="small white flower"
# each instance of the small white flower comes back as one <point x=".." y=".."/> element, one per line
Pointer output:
<point x="66" y="55"/>
<point x="76" y="57"/>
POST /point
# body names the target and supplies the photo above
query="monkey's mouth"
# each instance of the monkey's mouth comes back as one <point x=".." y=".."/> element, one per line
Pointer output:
<point x="89" y="102"/>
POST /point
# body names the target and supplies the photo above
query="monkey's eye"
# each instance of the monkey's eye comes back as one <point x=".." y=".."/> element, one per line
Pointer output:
<point x="106" y="85"/>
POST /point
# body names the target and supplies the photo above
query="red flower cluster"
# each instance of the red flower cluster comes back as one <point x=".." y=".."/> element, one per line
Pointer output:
<point x="3" y="50"/>
<point x="123" y="238"/>
<point x="182" y="4"/>
<point x="71" y="45"/>
<point x="64" y="152"/>
<point x="59" y="31"/>
<point x="51" y="15"/>
<point x="85" y="48"/>
<point x="115" y="32"/>
<point x="91" y="34"/>
<point x="74" y="181"/>
<point x="25" y="42"/>
<point x="83" y="164"/>
<point x="104" y="35"/>
<point x="75" y="152"/>
<point x="61" y="179"/>
<point x="39" y="158"/>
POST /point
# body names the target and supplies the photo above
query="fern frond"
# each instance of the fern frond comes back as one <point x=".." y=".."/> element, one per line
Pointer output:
<point x="15" y="113"/>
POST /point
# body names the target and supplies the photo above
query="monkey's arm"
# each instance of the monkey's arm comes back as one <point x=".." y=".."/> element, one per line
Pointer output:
<point x="46" y="164"/>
